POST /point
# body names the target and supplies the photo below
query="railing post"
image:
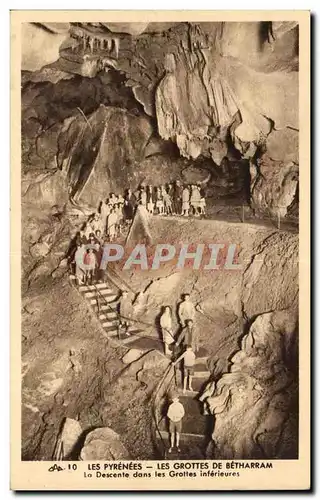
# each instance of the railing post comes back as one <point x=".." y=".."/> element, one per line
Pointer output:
<point x="242" y="212"/>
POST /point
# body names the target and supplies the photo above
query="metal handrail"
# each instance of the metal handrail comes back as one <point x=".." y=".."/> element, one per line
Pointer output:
<point x="120" y="279"/>
<point x="166" y="374"/>
<point x="154" y="409"/>
<point x="126" y="318"/>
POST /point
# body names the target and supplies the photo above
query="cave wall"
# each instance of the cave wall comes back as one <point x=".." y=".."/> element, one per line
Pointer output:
<point x="260" y="392"/>
<point x="240" y="91"/>
<point x="267" y="279"/>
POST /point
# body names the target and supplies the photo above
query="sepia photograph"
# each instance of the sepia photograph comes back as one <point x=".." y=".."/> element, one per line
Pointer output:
<point x="159" y="198"/>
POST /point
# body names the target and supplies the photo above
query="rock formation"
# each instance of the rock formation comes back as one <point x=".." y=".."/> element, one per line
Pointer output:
<point x="240" y="93"/>
<point x="259" y="393"/>
<point x="108" y="106"/>
<point x="103" y="444"/>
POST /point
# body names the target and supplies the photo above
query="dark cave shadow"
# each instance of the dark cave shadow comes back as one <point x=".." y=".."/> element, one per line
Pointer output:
<point x="157" y="322"/>
<point x="75" y="452"/>
<point x="265" y="33"/>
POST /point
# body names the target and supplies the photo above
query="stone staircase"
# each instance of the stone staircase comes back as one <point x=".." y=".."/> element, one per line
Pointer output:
<point x="101" y="298"/>
<point x="196" y="427"/>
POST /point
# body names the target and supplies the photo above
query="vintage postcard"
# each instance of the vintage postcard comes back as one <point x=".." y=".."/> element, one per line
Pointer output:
<point x="160" y="335"/>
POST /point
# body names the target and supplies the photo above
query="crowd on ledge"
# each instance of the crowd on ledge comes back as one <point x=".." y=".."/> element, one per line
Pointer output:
<point x="117" y="211"/>
<point x="170" y="199"/>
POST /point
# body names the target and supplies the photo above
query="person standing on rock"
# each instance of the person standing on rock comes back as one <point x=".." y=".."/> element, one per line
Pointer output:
<point x="159" y="202"/>
<point x="98" y="238"/>
<point x="175" y="415"/>
<point x="99" y="253"/>
<point x="150" y="199"/>
<point x="112" y="224"/>
<point x="104" y="212"/>
<point x="186" y="310"/>
<point x="185" y="202"/>
<point x="189" y="359"/>
<point x="195" y="200"/>
<point x="90" y="261"/>
<point x="166" y="329"/>
<point x="177" y="198"/>
<point x="79" y="261"/>
<point x="120" y="220"/>
<point x="125" y="311"/>
<point x="202" y="203"/>
<point x="96" y="223"/>
<point x="167" y="201"/>
<point x="112" y="199"/>
<point x="188" y="336"/>
<point x="130" y="203"/>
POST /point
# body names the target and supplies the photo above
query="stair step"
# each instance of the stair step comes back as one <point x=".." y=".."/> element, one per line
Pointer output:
<point x="192" y="394"/>
<point x="111" y="329"/>
<point x="84" y="288"/>
<point x="105" y="307"/>
<point x="109" y="298"/>
<point x="199" y="384"/>
<point x="202" y="374"/>
<point x="183" y="435"/>
<point x="132" y="337"/>
<point x="202" y="360"/>
<point x="110" y="323"/>
<point x="95" y="293"/>
<point x="200" y="367"/>
<point x="109" y="315"/>
<point x="113" y="335"/>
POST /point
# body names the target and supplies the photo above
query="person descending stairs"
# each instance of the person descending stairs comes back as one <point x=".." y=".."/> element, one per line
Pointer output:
<point x="196" y="425"/>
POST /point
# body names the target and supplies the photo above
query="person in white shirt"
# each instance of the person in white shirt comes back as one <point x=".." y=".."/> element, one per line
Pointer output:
<point x="104" y="212"/>
<point x="159" y="202"/>
<point x="150" y="199"/>
<point x="195" y="200"/>
<point x="186" y="310"/>
<point x="166" y="329"/>
<point x="189" y="359"/>
<point x="96" y="223"/>
<point x="112" y="224"/>
<point x="185" y="201"/>
<point x="175" y="415"/>
<point x="78" y="257"/>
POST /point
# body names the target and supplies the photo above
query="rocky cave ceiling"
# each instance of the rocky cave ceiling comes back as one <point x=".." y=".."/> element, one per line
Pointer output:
<point x="204" y="87"/>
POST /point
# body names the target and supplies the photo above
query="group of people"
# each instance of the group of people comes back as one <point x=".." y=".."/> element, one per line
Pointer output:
<point x="117" y="211"/>
<point x="173" y="199"/>
<point x="167" y="199"/>
<point x="170" y="199"/>
<point x="188" y="340"/>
